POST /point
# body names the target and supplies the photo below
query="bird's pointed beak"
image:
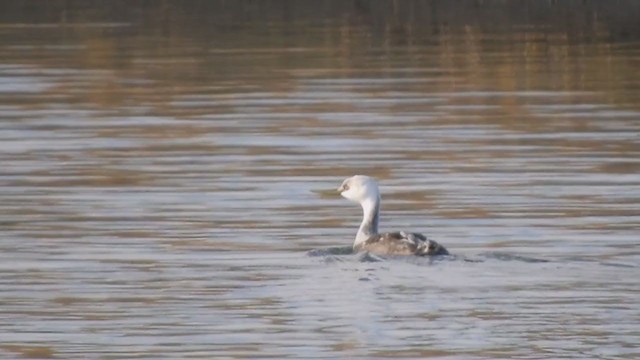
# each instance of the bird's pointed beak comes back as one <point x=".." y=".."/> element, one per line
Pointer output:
<point x="340" y="189"/>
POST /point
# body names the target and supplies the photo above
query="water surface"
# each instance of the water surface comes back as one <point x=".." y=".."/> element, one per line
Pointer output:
<point x="166" y="170"/>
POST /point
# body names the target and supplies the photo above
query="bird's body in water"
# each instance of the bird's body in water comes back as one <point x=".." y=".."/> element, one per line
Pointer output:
<point x="364" y="190"/>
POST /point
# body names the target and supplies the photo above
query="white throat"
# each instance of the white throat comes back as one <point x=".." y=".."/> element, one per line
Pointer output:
<point x="370" y="219"/>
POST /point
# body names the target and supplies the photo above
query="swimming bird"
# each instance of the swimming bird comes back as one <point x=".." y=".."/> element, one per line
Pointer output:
<point x="364" y="190"/>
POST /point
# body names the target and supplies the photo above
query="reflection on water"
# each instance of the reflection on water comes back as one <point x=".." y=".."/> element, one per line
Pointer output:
<point x="163" y="181"/>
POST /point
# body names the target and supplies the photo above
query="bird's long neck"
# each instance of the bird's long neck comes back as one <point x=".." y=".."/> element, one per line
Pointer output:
<point x="371" y="215"/>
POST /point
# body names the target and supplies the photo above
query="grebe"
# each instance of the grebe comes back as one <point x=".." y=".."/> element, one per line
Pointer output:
<point x="364" y="190"/>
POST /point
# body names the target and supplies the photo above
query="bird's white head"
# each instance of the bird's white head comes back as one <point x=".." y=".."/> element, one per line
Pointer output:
<point x="359" y="188"/>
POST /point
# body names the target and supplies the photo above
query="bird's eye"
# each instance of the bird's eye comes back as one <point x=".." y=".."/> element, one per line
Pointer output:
<point x="345" y="187"/>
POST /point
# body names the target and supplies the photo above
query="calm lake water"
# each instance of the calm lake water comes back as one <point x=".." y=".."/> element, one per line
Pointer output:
<point x="167" y="167"/>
